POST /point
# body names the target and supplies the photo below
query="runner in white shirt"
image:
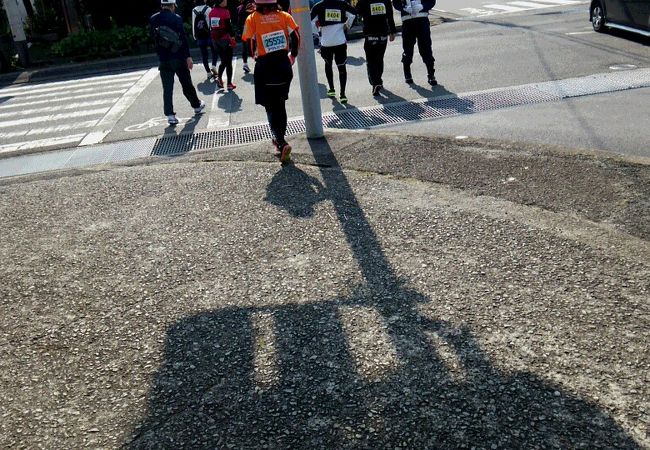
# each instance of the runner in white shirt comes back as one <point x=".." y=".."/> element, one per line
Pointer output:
<point x="334" y="17"/>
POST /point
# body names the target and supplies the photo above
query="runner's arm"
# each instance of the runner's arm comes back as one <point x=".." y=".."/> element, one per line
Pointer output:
<point x="294" y="43"/>
<point x="390" y="17"/>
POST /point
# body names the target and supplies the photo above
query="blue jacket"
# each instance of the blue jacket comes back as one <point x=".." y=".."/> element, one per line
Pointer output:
<point x="411" y="9"/>
<point x="173" y="21"/>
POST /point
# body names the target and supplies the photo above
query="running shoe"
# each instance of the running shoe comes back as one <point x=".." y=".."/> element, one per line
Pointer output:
<point x="219" y="82"/>
<point x="343" y="99"/>
<point x="376" y="89"/>
<point x="199" y="108"/>
<point x="231" y="87"/>
<point x="172" y="120"/>
<point x="285" y="154"/>
<point x="246" y="68"/>
<point x="331" y="93"/>
<point x="432" y="80"/>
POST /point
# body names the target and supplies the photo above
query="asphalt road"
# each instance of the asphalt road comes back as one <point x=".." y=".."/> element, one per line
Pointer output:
<point x="473" y="54"/>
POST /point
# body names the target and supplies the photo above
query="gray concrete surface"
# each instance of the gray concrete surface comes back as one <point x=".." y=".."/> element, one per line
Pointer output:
<point x="437" y="294"/>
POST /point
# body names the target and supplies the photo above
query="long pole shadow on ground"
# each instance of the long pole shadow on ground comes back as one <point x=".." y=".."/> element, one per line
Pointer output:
<point x="227" y="383"/>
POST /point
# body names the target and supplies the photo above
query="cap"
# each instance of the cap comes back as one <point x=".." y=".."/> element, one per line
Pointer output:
<point x="168" y="2"/>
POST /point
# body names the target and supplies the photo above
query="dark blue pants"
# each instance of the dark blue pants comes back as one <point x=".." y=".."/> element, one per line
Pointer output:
<point x="167" y="71"/>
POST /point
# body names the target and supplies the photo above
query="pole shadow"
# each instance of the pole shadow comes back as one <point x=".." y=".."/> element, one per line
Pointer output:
<point x="215" y="390"/>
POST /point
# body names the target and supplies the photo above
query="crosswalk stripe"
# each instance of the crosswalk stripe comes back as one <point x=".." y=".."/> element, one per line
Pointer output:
<point x="49" y="109"/>
<point x="92" y="85"/>
<point x="49" y="130"/>
<point x="561" y="2"/>
<point x="505" y="8"/>
<point x="63" y="99"/>
<point x="53" y="117"/>
<point x="99" y="79"/>
<point x="530" y="5"/>
<point x="106" y="124"/>
<point x="41" y="143"/>
<point x="217" y="117"/>
<point x="63" y="95"/>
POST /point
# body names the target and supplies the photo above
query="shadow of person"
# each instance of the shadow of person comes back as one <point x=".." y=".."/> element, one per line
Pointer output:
<point x="367" y="370"/>
<point x="294" y="191"/>
<point x="444" y="100"/>
<point x="207" y="87"/>
<point x="248" y="77"/>
<point x="229" y="102"/>
<point x="183" y="136"/>
<point x="355" y="61"/>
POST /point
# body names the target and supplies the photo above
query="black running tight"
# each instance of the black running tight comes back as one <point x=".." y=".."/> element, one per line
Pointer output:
<point x="277" y="115"/>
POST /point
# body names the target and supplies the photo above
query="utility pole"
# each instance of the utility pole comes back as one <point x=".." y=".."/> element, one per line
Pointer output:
<point x="307" y="70"/>
<point x="16" y="15"/>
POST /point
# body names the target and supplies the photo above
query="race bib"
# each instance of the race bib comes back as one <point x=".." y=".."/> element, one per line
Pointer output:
<point x="215" y="22"/>
<point x="332" y="15"/>
<point x="377" y="9"/>
<point x="274" y="41"/>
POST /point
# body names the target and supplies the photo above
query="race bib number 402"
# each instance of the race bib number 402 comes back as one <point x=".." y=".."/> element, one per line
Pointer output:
<point x="332" y="15"/>
<point x="377" y="9"/>
<point x="274" y="41"/>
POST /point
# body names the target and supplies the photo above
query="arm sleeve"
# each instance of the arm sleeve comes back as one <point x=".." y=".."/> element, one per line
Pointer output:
<point x="314" y="12"/>
<point x="294" y="43"/>
<point x="390" y="17"/>
<point x="350" y="17"/>
<point x="193" y="22"/>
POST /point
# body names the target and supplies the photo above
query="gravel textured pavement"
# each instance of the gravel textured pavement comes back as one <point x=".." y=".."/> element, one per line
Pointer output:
<point x="383" y="292"/>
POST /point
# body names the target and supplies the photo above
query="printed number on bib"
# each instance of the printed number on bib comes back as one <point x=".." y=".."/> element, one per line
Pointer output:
<point x="377" y="9"/>
<point x="214" y="22"/>
<point x="332" y="15"/>
<point x="274" y="41"/>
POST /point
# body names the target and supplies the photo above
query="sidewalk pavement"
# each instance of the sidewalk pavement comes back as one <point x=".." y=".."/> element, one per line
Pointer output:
<point x="435" y="294"/>
<point x="73" y="70"/>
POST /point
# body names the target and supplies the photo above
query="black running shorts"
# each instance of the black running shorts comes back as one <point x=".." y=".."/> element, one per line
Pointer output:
<point x="338" y="53"/>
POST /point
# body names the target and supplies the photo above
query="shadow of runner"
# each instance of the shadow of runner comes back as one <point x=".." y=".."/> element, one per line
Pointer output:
<point x="364" y="371"/>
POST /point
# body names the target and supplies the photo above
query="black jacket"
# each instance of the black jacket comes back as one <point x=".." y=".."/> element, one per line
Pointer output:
<point x="167" y="18"/>
<point x="321" y="9"/>
<point x="377" y="17"/>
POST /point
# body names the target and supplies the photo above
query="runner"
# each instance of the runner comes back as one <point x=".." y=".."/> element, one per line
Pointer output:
<point x="243" y="11"/>
<point x="222" y="36"/>
<point x="416" y="27"/>
<point x="378" y="28"/>
<point x="166" y="28"/>
<point x="201" y="33"/>
<point x="334" y="17"/>
<point x="274" y="40"/>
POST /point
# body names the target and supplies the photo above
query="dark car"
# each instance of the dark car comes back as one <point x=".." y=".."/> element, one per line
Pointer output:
<point x="629" y="15"/>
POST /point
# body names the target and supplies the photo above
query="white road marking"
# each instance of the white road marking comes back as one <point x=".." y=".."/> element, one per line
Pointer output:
<point x="51" y="109"/>
<point x="218" y="118"/>
<point x="478" y="11"/>
<point x="62" y="99"/>
<point x="531" y="5"/>
<point x="80" y="83"/>
<point x="49" y="130"/>
<point x="41" y="143"/>
<point x="107" y="123"/>
<point x="579" y="32"/>
<point x="505" y="8"/>
<point x="100" y="79"/>
<point x="64" y="94"/>
<point x="561" y="2"/>
<point x="53" y="117"/>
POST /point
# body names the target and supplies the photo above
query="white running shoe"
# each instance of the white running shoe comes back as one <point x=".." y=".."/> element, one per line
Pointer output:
<point x="172" y="120"/>
<point x="246" y="68"/>
<point x="199" y="108"/>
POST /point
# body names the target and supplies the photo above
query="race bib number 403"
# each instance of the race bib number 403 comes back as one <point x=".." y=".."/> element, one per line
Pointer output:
<point x="332" y="15"/>
<point x="274" y="41"/>
<point x="377" y="9"/>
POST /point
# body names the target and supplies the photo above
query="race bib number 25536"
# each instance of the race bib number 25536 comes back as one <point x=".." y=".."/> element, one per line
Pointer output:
<point x="274" y="41"/>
